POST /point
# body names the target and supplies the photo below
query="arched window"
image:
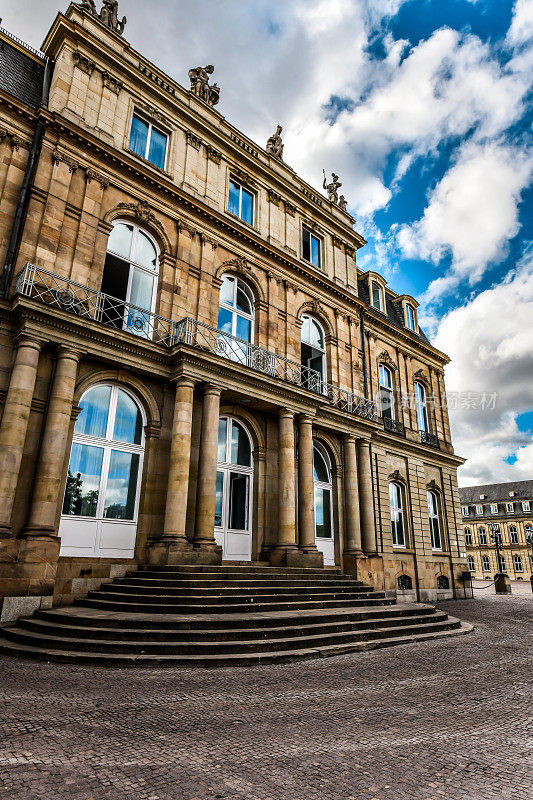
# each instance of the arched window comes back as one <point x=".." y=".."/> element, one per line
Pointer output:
<point x="323" y="488"/>
<point x="386" y="395"/>
<point x="130" y="279"/>
<point x="468" y="537"/>
<point x="104" y="474"/>
<point x="236" y="316"/>
<point x="405" y="582"/>
<point x="485" y="562"/>
<point x="443" y="582"/>
<point x="482" y="536"/>
<point x="513" y="534"/>
<point x="396" y="513"/>
<point x="313" y="344"/>
<point x="471" y="564"/>
<point x="233" y="511"/>
<point x="421" y="407"/>
<point x="434" y="520"/>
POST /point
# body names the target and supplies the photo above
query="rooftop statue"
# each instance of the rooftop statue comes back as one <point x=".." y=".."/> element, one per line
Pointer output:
<point x="199" y="78"/>
<point x="88" y="5"/>
<point x="109" y="16"/>
<point x="343" y="203"/>
<point x="332" y="188"/>
<point x="275" y="145"/>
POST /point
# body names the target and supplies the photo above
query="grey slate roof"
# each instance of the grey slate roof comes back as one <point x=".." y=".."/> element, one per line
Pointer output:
<point x="394" y="315"/>
<point x="496" y="491"/>
<point x="20" y="74"/>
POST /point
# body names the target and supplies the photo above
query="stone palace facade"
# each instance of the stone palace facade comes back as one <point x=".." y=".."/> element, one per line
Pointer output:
<point x="192" y="366"/>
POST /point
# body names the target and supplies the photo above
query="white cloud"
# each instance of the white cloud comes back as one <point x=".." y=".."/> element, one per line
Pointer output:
<point x="490" y="342"/>
<point x="521" y="29"/>
<point x="471" y="213"/>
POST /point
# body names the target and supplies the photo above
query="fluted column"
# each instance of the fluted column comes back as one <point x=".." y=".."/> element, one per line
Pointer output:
<point x="286" y="482"/>
<point x="366" y="498"/>
<point x="14" y="425"/>
<point x="207" y="468"/>
<point x="180" y="459"/>
<point x="351" y="497"/>
<point x="306" y="499"/>
<point x="49" y="473"/>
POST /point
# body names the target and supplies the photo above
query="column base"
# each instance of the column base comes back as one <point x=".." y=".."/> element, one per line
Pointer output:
<point x="349" y="561"/>
<point x="292" y="557"/>
<point x="180" y="551"/>
<point x="38" y="532"/>
<point x="6" y="532"/>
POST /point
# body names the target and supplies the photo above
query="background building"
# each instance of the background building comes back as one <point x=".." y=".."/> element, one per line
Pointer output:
<point x="510" y="506"/>
<point x="192" y="367"/>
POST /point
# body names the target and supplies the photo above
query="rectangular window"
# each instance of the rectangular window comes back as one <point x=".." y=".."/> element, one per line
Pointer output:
<point x="219" y="495"/>
<point x="148" y="142"/>
<point x="486" y="563"/>
<point x="376" y="297"/>
<point x="479" y="510"/>
<point x="513" y="536"/>
<point x="482" y="537"/>
<point x="510" y="508"/>
<point x="526" y="506"/>
<point x="503" y="566"/>
<point x="471" y="564"/>
<point x="396" y="513"/>
<point x="494" y="508"/>
<point x="83" y="480"/>
<point x="410" y="317"/>
<point x="241" y="202"/>
<point x="517" y="561"/>
<point x="468" y="539"/>
<point x="311" y="248"/>
<point x="465" y="511"/>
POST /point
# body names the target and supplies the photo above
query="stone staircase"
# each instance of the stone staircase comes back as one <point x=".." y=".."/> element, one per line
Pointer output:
<point x="222" y="616"/>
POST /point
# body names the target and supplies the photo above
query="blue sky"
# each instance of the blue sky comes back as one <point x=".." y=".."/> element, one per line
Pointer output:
<point x="423" y="107"/>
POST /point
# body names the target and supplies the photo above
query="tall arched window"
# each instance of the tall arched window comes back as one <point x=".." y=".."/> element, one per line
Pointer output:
<point x="323" y="504"/>
<point x="235" y="316"/>
<point x="130" y="277"/>
<point x="434" y="520"/>
<point x="233" y="499"/>
<point x="104" y="472"/>
<point x="513" y="534"/>
<point x="396" y="513"/>
<point x="471" y="564"/>
<point x="421" y="407"/>
<point x="386" y="395"/>
<point x="485" y="562"/>
<point x="482" y="536"/>
<point x="313" y="353"/>
<point x="468" y="537"/>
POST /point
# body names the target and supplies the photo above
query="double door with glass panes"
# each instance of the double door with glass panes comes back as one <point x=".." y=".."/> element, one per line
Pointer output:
<point x="99" y="515"/>
<point x="323" y="506"/>
<point x="233" y="502"/>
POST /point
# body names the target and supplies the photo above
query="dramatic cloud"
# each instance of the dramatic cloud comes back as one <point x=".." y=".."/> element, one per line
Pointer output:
<point x="490" y="341"/>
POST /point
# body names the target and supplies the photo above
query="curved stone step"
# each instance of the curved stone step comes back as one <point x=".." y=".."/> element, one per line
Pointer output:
<point x="228" y="591"/>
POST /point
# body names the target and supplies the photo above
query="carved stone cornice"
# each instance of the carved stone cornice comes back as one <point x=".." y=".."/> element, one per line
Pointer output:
<point x="290" y="286"/>
<point x="84" y="63"/>
<point x="3" y="134"/>
<point x="152" y="111"/>
<point x="433" y="485"/>
<point x="289" y="208"/>
<point x="214" y="155"/>
<point x="336" y="241"/>
<point x="242" y="175"/>
<point x="58" y="157"/>
<point x="142" y="212"/>
<point x="274" y="197"/>
<point x="17" y="142"/>
<point x="349" y="250"/>
<point x="193" y="139"/>
<point x="206" y="239"/>
<point x="237" y="264"/>
<point x="112" y="83"/>
<point x="420" y="375"/>
<point x="92" y="175"/>
<point x="186" y="227"/>
<point x="385" y="358"/>
<point x="396" y="476"/>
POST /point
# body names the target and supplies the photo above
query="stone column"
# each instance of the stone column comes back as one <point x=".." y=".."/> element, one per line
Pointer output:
<point x="306" y="498"/>
<point x="204" y="534"/>
<point x="49" y="473"/>
<point x="14" y="424"/>
<point x="351" y="497"/>
<point x="180" y="458"/>
<point x="286" y="482"/>
<point x="366" y="497"/>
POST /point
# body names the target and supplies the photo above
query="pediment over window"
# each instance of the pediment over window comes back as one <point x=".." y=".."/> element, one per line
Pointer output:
<point x="396" y="476"/>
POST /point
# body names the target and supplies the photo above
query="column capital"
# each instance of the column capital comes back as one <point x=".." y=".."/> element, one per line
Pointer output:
<point x="364" y="441"/>
<point x="286" y="413"/>
<point x="183" y="380"/>
<point x="306" y="418"/>
<point x="211" y="388"/>
<point x="350" y="437"/>
<point x="65" y="351"/>
<point x="23" y="339"/>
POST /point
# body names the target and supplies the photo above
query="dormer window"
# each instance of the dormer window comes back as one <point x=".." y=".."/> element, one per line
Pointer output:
<point x="494" y="508"/>
<point x="410" y="317"/>
<point x="526" y="506"/>
<point x="148" y="142"/>
<point x="465" y="511"/>
<point x="510" y="508"/>
<point x="479" y="510"/>
<point x="376" y="296"/>
<point x="311" y="248"/>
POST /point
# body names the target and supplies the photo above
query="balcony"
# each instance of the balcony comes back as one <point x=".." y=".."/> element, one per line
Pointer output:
<point x="58" y="292"/>
<point x="393" y="426"/>
<point x="429" y="438"/>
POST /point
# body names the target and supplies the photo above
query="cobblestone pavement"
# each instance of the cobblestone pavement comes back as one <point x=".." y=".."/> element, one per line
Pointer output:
<point x="440" y="720"/>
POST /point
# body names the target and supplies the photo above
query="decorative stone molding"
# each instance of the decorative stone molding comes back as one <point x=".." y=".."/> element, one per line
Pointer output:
<point x="112" y="83"/>
<point x="83" y="62"/>
<point x="349" y="250"/>
<point x="237" y="264"/>
<point x="213" y="154"/>
<point x="314" y="197"/>
<point x="58" y="157"/>
<point x="92" y="175"/>
<point x="244" y="145"/>
<point x="386" y="358"/>
<point x="274" y="197"/>
<point x="142" y="212"/>
<point x="208" y="240"/>
<point x="193" y="139"/>
<point x="421" y="376"/>
<point x="152" y="111"/>
<point x="17" y="142"/>
<point x="290" y="286"/>
<point x="396" y="476"/>
<point x="3" y="134"/>
<point x="336" y="242"/>
<point x="289" y="208"/>
<point x="242" y="175"/>
<point x="187" y="228"/>
<point x="433" y="486"/>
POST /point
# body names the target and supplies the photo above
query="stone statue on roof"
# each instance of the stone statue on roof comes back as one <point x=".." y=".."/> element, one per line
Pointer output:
<point x="275" y="145"/>
<point x="199" y="78"/>
<point x="343" y="203"/>
<point x="109" y="16"/>
<point x="88" y="5"/>
<point x="332" y="188"/>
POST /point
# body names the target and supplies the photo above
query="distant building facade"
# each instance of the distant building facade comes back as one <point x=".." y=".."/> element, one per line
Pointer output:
<point x="192" y="366"/>
<point x="510" y="507"/>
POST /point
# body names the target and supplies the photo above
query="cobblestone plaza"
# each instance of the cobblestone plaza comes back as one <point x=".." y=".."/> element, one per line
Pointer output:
<point x="448" y="719"/>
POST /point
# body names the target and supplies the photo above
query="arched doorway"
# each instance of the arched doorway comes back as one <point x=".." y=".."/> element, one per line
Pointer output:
<point x="323" y="504"/>
<point x="99" y="515"/>
<point x="233" y="504"/>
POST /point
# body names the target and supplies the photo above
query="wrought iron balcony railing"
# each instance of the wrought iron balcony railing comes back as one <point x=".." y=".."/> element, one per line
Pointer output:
<point x="54" y="290"/>
<point x="429" y="438"/>
<point x="394" y="426"/>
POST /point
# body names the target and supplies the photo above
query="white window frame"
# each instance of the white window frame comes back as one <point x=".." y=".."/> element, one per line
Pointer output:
<point x="148" y="139"/>
<point x="479" y="511"/>
<point x="227" y="467"/>
<point x="381" y="296"/>
<point x="312" y="319"/>
<point x="509" y="507"/>
<point x="388" y="389"/>
<point x="494" y="508"/>
<point x="253" y="195"/>
<point x="410" y="318"/>
<point x="468" y="537"/>
<point x="320" y="241"/>
<point x="513" y="534"/>
<point x="434" y="517"/>
<point x="526" y="505"/>
<point x="465" y="511"/>
<point x="482" y="533"/>
<point x="397" y="512"/>
<point x="471" y="563"/>
<point x="421" y="407"/>
<point x="485" y="563"/>
<point x="326" y="485"/>
<point x="232" y="309"/>
<point x="517" y="563"/>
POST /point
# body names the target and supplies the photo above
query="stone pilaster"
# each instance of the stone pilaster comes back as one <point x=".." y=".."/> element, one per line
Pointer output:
<point x="286" y="541"/>
<point x="366" y="498"/>
<point x="306" y="501"/>
<point x="49" y="474"/>
<point x="15" y="424"/>
<point x="204" y="535"/>
<point x="351" y="500"/>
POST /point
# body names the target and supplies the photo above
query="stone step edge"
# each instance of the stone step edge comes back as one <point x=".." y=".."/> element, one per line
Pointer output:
<point x="250" y="659"/>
